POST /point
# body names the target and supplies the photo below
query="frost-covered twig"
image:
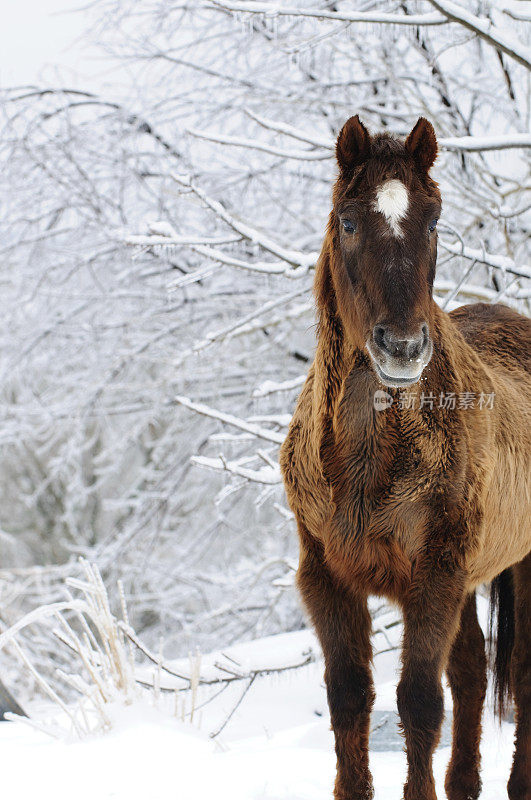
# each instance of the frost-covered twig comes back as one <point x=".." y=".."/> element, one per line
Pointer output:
<point x="262" y="267"/>
<point x="227" y="675"/>
<point x="235" y="708"/>
<point x="174" y="240"/>
<point x="241" y="324"/>
<point x="290" y="130"/>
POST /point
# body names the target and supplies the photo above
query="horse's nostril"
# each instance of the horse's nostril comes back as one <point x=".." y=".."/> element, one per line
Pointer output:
<point x="379" y="336"/>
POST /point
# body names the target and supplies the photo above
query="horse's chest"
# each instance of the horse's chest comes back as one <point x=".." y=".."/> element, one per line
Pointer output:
<point x="367" y="505"/>
<point x="396" y="510"/>
<point x="380" y="516"/>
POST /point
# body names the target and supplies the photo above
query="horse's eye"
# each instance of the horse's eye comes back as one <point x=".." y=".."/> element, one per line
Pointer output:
<point x="432" y="225"/>
<point x="349" y="226"/>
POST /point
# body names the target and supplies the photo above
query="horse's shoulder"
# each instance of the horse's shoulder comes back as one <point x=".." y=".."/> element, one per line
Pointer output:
<point x="495" y="330"/>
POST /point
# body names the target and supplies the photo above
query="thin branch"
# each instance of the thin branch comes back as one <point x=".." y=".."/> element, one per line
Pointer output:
<point x="240" y="324"/>
<point x="476" y="144"/>
<point x="269" y="387"/>
<point x="236" y="141"/>
<point x="238" y="704"/>
<point x="289" y="130"/>
<point x="151" y="240"/>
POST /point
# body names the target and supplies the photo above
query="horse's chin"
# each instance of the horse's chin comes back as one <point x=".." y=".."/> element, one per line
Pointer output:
<point x="396" y="381"/>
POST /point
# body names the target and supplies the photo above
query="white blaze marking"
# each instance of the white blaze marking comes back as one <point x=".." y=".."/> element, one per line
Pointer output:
<point x="392" y="201"/>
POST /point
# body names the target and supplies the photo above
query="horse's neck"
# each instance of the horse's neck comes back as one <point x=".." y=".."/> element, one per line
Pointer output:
<point x="348" y="428"/>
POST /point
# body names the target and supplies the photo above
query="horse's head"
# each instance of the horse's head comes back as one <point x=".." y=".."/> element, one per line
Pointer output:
<point x="382" y="246"/>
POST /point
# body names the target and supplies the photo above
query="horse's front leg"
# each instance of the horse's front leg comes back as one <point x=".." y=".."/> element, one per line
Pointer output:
<point x="343" y="625"/>
<point x="431" y="616"/>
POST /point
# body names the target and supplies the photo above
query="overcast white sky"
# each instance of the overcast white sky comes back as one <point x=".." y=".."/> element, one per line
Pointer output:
<point x="37" y="35"/>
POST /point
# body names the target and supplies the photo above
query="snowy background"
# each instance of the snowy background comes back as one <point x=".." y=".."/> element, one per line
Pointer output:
<point x="165" y="181"/>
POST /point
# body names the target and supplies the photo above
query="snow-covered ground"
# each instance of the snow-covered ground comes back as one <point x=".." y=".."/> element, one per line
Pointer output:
<point x="277" y="745"/>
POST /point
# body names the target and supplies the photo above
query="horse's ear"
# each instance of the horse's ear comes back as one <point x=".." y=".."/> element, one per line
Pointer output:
<point x="353" y="145"/>
<point x="422" y="144"/>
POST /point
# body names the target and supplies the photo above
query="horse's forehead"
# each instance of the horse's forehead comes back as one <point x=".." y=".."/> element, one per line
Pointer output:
<point x="392" y="201"/>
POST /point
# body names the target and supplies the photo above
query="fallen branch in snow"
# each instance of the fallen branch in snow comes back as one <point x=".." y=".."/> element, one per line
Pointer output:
<point x="230" y="674"/>
<point x="235" y="708"/>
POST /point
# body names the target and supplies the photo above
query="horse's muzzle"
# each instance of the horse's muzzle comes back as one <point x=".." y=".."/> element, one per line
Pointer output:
<point x="399" y="358"/>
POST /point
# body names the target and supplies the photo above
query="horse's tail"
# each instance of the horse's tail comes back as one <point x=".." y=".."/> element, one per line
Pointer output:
<point x="501" y="640"/>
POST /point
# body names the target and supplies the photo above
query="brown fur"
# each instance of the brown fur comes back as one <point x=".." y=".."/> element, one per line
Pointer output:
<point x="417" y="505"/>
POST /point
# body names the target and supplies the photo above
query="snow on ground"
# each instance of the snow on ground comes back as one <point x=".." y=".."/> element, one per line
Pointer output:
<point x="276" y="746"/>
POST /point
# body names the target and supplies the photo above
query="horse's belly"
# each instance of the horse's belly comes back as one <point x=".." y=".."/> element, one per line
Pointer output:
<point x="505" y="537"/>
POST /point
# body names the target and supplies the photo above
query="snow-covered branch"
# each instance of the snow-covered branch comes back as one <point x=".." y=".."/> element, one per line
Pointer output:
<point x="235" y="141"/>
<point x="296" y="259"/>
<point x="230" y="419"/>
<point x="485" y="29"/>
<point x="276" y="10"/>
<point x="268" y="475"/>
<point x="290" y="130"/>
<point x="269" y="387"/>
<point x="467" y="144"/>
<point x="501" y="262"/>
<point x="477" y="144"/>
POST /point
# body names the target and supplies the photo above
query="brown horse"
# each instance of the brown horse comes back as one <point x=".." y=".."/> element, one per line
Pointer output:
<point x="407" y="468"/>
